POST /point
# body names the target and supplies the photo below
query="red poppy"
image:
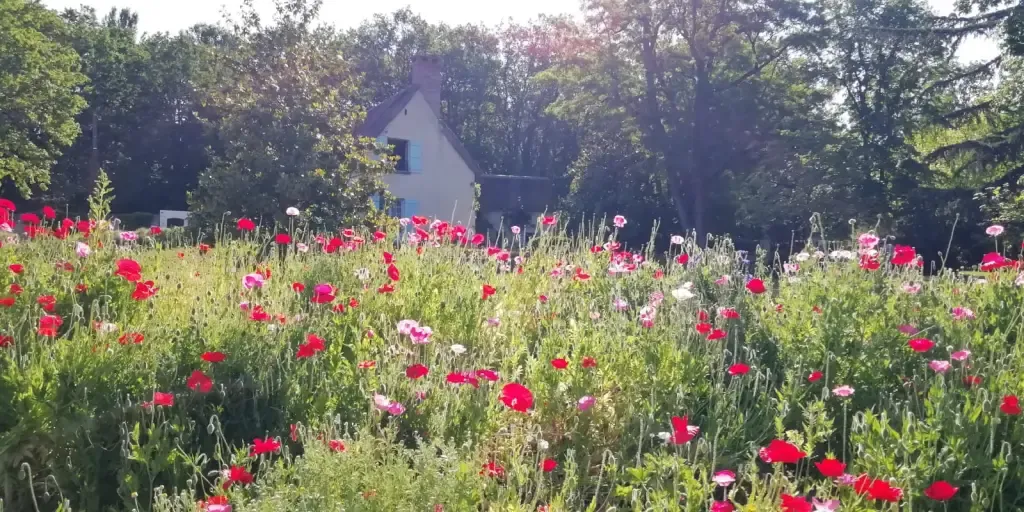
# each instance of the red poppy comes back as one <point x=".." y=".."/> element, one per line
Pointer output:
<point x="48" y="302"/>
<point x="81" y="288"/>
<point x="995" y="261"/>
<point x="477" y="239"/>
<point x="795" y="504"/>
<point x="462" y="378"/>
<point x="84" y="226"/>
<point x="352" y="302"/>
<point x="1010" y="405"/>
<point x="6" y="204"/>
<point x="485" y="374"/>
<point x="298" y="287"/>
<point x="313" y="345"/>
<point x="703" y="327"/>
<point x="393" y="273"/>
<point x="682" y="259"/>
<point x="336" y="445"/>
<point x="716" y="334"/>
<point x="920" y="344"/>
<point x="729" y="313"/>
<point x="549" y="220"/>
<point x="559" y="363"/>
<point x="781" y="451"/>
<point x="756" y="286"/>
<point x="6" y="341"/>
<point x="416" y="371"/>
<point x="868" y="263"/>
<point x="589" y="362"/>
<point x="903" y="255"/>
<point x="144" y="290"/>
<point x="49" y="213"/>
<point x="7" y="301"/>
<point x="516" y="397"/>
<point x="237" y="474"/>
<point x="265" y="445"/>
<point x="213" y="357"/>
<point x="548" y="465"/>
<point x="49" y="324"/>
<point x="16" y="289"/>
<point x="200" y="382"/>
<point x="831" y="468"/>
<point x="941" y="491"/>
<point x="877" y="489"/>
<point x="163" y="399"/>
<point x="379" y="235"/>
<point x="131" y="338"/>
<point x="493" y="470"/>
<point x="283" y="238"/>
<point x="681" y="433"/>
<point x="972" y="380"/>
<point x="815" y="376"/>
<point x="29" y="218"/>
<point x="487" y="291"/>
<point x="259" y="314"/>
<point x="130" y="270"/>
<point x="17" y="268"/>
<point x="367" y="365"/>
<point x="738" y="369"/>
<point x="246" y="224"/>
<point x="385" y="288"/>
<point x="388" y="258"/>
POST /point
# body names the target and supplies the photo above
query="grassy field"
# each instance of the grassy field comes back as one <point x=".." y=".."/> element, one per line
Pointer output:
<point x="447" y="372"/>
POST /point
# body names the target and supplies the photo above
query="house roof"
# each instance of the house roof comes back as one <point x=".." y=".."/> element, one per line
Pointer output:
<point x="378" y="118"/>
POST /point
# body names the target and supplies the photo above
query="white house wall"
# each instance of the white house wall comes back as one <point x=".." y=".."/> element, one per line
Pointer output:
<point x="445" y="187"/>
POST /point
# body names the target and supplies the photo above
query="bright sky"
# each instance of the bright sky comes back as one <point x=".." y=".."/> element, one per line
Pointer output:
<point x="174" y="15"/>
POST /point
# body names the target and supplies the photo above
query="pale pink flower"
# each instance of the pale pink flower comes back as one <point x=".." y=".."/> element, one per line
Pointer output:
<point x="825" y="505"/>
<point x="962" y="313"/>
<point x="129" y="236"/>
<point x="254" y="280"/>
<point x="515" y="230"/>
<point x="677" y="240"/>
<point x="912" y="288"/>
<point x="301" y="247"/>
<point x="994" y="230"/>
<point x="594" y="315"/>
<point x="656" y="299"/>
<point x="620" y="304"/>
<point x="620" y="221"/>
<point x="291" y="211"/>
<point x="939" y="366"/>
<point x="960" y="355"/>
<point x="843" y="391"/>
<point x="722" y="280"/>
<point x="244" y="305"/>
<point x="406" y="326"/>
<point x="420" y="334"/>
<point x="724" y="478"/>
<point x="494" y="321"/>
<point x="396" y="408"/>
<point x="867" y="241"/>
<point x="847" y="480"/>
<point x="82" y="250"/>
<point x="791" y="268"/>
<point x="586" y="403"/>
<point x="404" y="221"/>
<point x="214" y="507"/>
<point x="647" y="315"/>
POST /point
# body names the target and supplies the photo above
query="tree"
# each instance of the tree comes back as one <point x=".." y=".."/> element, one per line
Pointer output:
<point x="39" y="81"/>
<point x="283" y="109"/>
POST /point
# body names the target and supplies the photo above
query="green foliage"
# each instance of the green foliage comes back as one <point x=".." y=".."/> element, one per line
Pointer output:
<point x="101" y="197"/>
<point x="77" y="426"/>
<point x="281" y="105"/>
<point x="39" y="76"/>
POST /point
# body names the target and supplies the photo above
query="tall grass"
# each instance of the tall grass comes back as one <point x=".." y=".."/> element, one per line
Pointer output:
<point x="77" y="433"/>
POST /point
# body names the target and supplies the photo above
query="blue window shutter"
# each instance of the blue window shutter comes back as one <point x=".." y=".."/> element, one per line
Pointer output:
<point x="415" y="157"/>
<point x="410" y="207"/>
<point x="376" y="201"/>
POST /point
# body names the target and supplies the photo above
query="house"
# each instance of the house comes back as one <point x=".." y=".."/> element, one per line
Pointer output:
<point x="434" y="176"/>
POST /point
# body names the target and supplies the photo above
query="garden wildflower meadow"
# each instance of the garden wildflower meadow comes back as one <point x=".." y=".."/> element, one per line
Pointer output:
<point x="425" y="367"/>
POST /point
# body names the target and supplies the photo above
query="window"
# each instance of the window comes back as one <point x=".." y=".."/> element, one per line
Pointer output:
<point x="396" y="208"/>
<point x="400" y="148"/>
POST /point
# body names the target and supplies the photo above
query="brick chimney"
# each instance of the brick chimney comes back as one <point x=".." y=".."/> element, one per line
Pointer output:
<point x="426" y="73"/>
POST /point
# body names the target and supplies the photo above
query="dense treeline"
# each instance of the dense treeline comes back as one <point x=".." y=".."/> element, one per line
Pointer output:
<point x="716" y="116"/>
